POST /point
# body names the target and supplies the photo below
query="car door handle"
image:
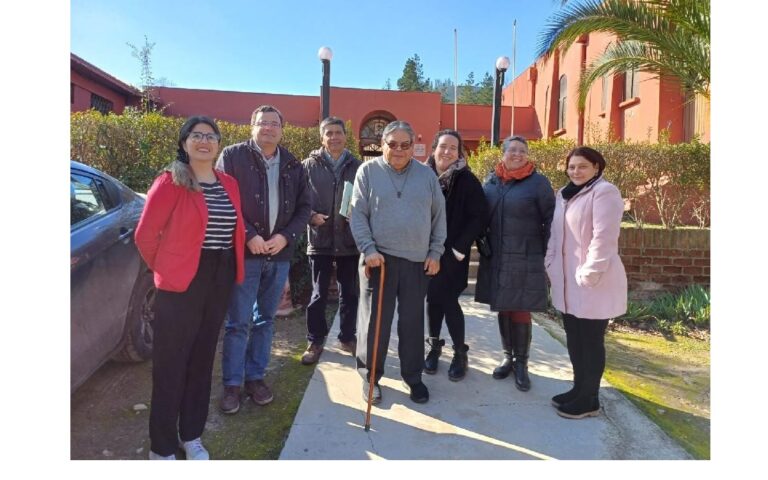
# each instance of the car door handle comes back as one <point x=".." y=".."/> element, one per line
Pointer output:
<point x="125" y="233"/>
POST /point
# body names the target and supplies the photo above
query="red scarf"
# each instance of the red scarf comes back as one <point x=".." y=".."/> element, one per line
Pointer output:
<point x="516" y="174"/>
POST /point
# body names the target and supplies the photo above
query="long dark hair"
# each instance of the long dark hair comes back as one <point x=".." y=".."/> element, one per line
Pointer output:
<point x="181" y="172"/>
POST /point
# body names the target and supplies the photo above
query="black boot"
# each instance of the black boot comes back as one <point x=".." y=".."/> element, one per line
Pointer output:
<point x="435" y="349"/>
<point x="587" y="402"/>
<point x="522" y="345"/>
<point x="505" y="330"/>
<point x="575" y="348"/>
<point x="458" y="367"/>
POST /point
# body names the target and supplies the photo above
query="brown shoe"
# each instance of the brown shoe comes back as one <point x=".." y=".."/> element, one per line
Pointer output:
<point x="349" y="346"/>
<point x="230" y="399"/>
<point x="312" y="354"/>
<point x="259" y="392"/>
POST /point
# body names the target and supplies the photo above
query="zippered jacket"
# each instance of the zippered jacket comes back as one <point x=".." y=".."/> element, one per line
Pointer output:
<point x="326" y="189"/>
<point x="244" y="162"/>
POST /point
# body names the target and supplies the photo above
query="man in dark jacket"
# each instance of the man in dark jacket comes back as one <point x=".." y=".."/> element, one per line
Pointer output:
<point x="330" y="240"/>
<point x="276" y="207"/>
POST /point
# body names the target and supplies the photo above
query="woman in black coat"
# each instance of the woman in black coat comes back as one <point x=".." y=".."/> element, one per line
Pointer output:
<point x="512" y="281"/>
<point x="466" y="217"/>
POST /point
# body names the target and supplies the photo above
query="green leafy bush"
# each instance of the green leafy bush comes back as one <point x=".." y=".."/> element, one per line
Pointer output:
<point x="678" y="313"/>
<point x="674" y="176"/>
<point x="136" y="146"/>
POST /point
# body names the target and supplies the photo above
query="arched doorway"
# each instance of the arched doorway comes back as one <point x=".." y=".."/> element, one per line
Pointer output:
<point x="370" y="134"/>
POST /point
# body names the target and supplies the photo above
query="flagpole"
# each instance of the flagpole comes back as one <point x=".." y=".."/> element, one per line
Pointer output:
<point x="514" y="49"/>
<point x="455" y="79"/>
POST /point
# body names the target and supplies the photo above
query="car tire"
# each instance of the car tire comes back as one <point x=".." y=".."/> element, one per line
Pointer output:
<point x="136" y="345"/>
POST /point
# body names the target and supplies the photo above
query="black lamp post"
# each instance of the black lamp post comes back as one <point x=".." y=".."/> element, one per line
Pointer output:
<point x="325" y="55"/>
<point x="502" y="64"/>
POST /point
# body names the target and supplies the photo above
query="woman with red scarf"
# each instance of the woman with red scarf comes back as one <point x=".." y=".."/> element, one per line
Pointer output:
<point x="512" y="280"/>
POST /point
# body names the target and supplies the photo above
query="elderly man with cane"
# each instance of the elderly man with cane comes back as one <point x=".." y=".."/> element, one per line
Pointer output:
<point x="398" y="221"/>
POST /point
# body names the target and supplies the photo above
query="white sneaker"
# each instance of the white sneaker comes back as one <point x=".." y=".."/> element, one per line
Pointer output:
<point x="154" y="456"/>
<point x="195" y="450"/>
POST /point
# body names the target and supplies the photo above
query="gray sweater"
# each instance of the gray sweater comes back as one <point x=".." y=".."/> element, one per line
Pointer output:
<point x="411" y="226"/>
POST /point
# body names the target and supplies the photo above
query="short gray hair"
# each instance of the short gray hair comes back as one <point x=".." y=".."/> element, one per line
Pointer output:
<point x="513" y="138"/>
<point x="398" y="125"/>
<point x="332" y="121"/>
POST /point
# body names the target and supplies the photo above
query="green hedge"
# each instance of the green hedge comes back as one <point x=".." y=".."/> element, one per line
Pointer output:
<point x="135" y="147"/>
<point x="672" y="176"/>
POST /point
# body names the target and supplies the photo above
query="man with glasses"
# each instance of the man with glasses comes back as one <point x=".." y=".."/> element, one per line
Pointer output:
<point x="398" y="221"/>
<point x="329" y="239"/>
<point x="276" y="208"/>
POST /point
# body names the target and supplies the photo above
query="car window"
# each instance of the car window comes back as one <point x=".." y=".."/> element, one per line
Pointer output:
<point x="86" y="199"/>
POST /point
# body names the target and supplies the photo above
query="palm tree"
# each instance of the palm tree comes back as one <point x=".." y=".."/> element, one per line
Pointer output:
<point x="663" y="37"/>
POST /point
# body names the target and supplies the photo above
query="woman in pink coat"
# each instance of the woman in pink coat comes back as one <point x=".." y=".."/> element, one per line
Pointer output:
<point x="588" y="282"/>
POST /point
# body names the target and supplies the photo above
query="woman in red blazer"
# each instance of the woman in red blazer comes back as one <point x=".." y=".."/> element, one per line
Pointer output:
<point x="191" y="235"/>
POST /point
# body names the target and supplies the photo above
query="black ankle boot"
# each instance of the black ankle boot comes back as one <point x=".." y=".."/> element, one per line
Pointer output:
<point x="580" y="407"/>
<point x="505" y="330"/>
<point x="522" y="345"/>
<point x="435" y="349"/>
<point x="563" y="398"/>
<point x="458" y="367"/>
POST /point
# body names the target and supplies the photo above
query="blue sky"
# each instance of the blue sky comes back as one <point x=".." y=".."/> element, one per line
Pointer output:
<point x="271" y="46"/>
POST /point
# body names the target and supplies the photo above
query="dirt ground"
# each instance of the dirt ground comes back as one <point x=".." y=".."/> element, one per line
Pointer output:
<point x="109" y="414"/>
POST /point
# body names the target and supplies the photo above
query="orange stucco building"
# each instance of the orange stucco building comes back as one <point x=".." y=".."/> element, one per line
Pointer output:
<point x="91" y="87"/>
<point x="367" y="110"/>
<point x="633" y="106"/>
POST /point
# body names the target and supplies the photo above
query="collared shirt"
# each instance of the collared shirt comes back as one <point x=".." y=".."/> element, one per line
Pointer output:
<point x="273" y="185"/>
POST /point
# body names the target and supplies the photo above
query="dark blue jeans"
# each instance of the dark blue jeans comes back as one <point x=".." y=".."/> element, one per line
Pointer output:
<point x="346" y="277"/>
<point x="250" y="320"/>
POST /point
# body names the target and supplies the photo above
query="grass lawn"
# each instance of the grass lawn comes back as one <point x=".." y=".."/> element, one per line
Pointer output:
<point x="256" y="432"/>
<point x="667" y="378"/>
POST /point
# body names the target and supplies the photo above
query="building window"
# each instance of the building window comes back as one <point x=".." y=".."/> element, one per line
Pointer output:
<point x="631" y="85"/>
<point x="604" y="96"/>
<point x="100" y="104"/>
<point x="72" y="93"/>
<point x="561" y="103"/>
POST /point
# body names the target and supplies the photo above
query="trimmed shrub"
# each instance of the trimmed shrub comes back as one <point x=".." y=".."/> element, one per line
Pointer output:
<point x="660" y="180"/>
<point x="135" y="147"/>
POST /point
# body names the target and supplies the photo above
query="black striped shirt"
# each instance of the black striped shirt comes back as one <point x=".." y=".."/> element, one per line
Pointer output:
<point x="222" y="217"/>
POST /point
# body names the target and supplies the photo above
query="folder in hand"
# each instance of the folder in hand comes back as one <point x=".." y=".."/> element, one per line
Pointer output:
<point x="346" y="200"/>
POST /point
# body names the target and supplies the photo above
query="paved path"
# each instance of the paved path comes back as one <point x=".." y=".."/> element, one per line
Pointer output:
<point x="476" y="418"/>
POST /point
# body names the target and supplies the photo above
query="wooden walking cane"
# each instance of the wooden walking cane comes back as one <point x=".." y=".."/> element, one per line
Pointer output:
<point x="372" y="379"/>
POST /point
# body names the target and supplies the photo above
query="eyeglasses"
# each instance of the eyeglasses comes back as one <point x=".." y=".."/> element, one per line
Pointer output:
<point x="272" y="124"/>
<point x="198" y="137"/>
<point x="403" y="145"/>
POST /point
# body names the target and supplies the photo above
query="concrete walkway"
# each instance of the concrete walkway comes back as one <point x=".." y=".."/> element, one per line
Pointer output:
<point x="477" y="418"/>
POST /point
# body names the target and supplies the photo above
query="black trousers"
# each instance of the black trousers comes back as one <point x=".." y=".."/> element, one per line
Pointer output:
<point x="186" y="330"/>
<point x="585" y="339"/>
<point x="405" y="283"/>
<point x="346" y="276"/>
<point x="454" y="319"/>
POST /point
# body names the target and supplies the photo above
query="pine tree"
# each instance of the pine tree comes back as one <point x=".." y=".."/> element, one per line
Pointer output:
<point x="413" y="77"/>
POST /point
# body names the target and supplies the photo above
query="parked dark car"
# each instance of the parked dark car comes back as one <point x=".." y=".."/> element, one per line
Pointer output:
<point x="112" y="290"/>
